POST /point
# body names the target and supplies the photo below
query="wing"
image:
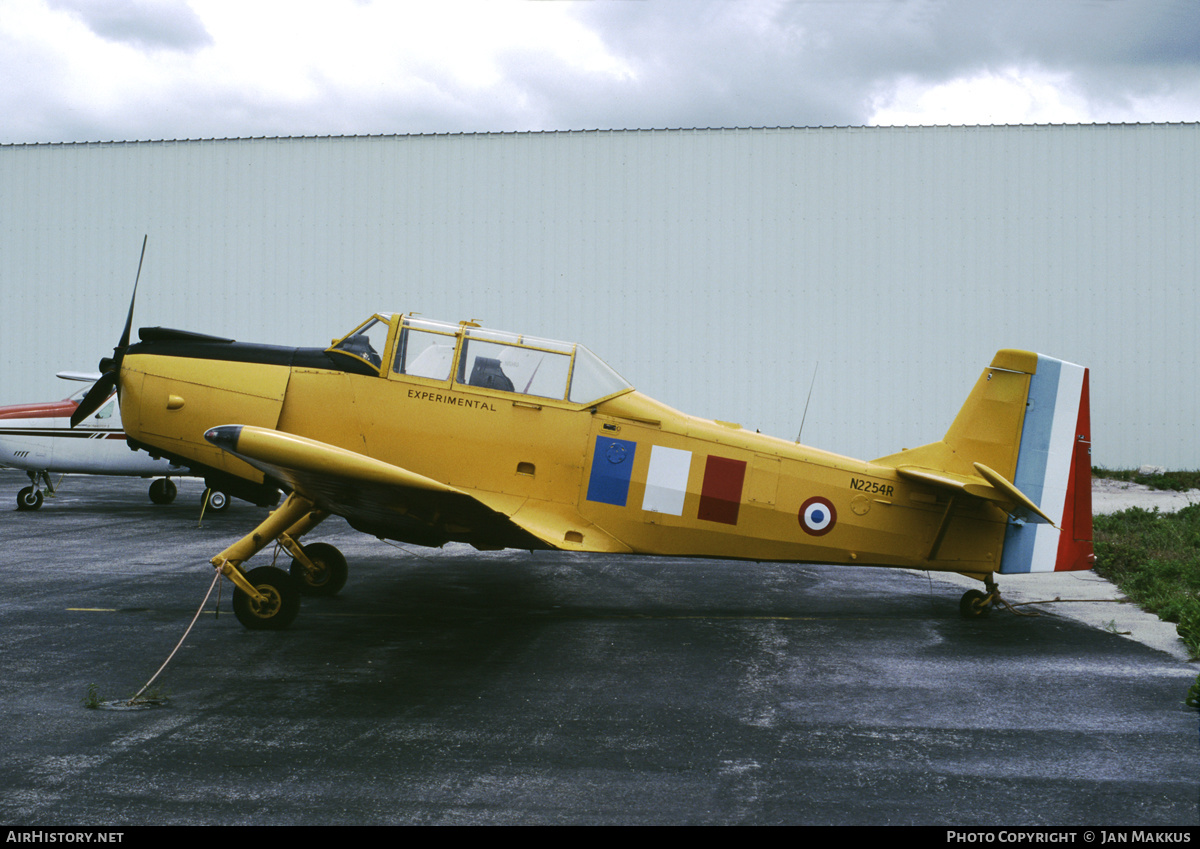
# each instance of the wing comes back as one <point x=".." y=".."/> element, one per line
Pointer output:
<point x="392" y="502"/>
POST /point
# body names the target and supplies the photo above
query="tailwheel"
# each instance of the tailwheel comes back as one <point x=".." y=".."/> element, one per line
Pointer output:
<point x="29" y="498"/>
<point x="218" y="501"/>
<point x="328" y="574"/>
<point x="974" y="604"/>
<point x="279" y="609"/>
<point x="163" y="491"/>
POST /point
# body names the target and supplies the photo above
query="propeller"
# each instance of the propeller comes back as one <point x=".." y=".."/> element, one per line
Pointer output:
<point x="110" y="367"/>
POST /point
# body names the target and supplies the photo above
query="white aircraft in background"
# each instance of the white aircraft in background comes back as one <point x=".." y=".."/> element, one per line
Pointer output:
<point x="39" y="439"/>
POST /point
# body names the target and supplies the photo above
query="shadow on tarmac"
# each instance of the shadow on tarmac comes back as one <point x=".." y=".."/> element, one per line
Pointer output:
<point x="460" y="687"/>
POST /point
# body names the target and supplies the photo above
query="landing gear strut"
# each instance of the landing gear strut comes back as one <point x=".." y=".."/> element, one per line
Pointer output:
<point x="268" y="598"/>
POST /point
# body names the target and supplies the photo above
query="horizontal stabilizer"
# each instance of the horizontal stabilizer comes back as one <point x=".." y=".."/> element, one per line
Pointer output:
<point x="988" y="485"/>
<point x="1025" y="508"/>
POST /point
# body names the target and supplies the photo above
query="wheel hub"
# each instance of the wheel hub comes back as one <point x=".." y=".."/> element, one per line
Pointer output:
<point x="270" y="607"/>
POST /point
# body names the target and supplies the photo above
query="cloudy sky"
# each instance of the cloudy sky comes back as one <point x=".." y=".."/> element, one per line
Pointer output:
<point x="97" y="70"/>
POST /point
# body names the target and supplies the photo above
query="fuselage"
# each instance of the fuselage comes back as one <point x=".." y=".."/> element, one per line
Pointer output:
<point x="546" y="434"/>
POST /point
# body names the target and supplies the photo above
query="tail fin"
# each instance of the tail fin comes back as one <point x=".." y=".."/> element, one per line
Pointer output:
<point x="1054" y="468"/>
<point x="1026" y="421"/>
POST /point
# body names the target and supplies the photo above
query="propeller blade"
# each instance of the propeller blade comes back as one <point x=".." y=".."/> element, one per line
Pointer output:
<point x="111" y="366"/>
<point x="95" y="396"/>
<point x="120" y="349"/>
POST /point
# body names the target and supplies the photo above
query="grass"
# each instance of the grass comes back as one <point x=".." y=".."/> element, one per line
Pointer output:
<point x="152" y="696"/>
<point x="92" y="699"/>
<point x="1153" y="557"/>
<point x="1173" y="481"/>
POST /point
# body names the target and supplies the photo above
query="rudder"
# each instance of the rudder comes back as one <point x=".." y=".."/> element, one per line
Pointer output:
<point x="1054" y="470"/>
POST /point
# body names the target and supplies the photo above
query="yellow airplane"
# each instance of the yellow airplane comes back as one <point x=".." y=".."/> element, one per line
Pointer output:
<point x="430" y="432"/>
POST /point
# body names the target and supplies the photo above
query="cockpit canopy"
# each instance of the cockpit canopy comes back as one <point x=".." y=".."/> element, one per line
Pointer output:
<point x="474" y="356"/>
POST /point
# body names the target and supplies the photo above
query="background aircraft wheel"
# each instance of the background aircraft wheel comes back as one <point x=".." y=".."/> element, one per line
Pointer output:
<point x="29" y="499"/>
<point x="973" y="605"/>
<point x="218" y="501"/>
<point x="331" y="571"/>
<point x="281" y="606"/>
<point x="163" y="491"/>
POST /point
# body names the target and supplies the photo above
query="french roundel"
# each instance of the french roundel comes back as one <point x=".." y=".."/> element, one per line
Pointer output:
<point x="817" y="516"/>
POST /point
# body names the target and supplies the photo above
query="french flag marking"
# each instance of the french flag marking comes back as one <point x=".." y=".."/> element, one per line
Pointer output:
<point x="612" y="469"/>
<point x="721" y="493"/>
<point x="666" y="481"/>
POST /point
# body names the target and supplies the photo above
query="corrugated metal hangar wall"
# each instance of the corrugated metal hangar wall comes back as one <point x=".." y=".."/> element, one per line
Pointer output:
<point x="715" y="269"/>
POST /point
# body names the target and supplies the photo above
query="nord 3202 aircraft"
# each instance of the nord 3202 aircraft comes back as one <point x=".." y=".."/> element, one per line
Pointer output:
<point x="428" y="432"/>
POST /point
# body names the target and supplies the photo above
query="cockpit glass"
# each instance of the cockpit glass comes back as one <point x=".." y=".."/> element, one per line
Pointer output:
<point x="489" y="359"/>
<point x="593" y="379"/>
<point x="367" y="342"/>
<point x="426" y="349"/>
<point x="512" y="363"/>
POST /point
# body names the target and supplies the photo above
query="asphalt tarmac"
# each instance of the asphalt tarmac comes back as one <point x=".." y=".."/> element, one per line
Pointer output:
<point x="457" y="687"/>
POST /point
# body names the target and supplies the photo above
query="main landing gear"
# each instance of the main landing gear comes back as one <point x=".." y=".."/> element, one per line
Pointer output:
<point x="31" y="497"/>
<point x="325" y="572"/>
<point x="163" y="491"/>
<point x="266" y="598"/>
<point x="215" y="500"/>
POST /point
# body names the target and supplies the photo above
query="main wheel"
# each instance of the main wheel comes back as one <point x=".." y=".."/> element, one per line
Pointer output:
<point x="163" y="491"/>
<point x="281" y="606"/>
<point x="331" y="572"/>
<point x="29" y="499"/>
<point x="974" y="604"/>
<point x="218" y="501"/>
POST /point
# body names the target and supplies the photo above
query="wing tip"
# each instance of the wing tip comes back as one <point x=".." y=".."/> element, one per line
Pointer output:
<point x="224" y="437"/>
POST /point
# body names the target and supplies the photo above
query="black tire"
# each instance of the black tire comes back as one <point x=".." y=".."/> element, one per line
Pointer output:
<point x="281" y="606"/>
<point x="29" y="499"/>
<point x="163" y="491"/>
<point x="331" y="575"/>
<point x="218" y="502"/>
<point x="973" y="605"/>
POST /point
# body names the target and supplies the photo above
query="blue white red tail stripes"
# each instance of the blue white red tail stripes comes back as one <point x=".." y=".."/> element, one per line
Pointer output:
<point x="1054" y="470"/>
